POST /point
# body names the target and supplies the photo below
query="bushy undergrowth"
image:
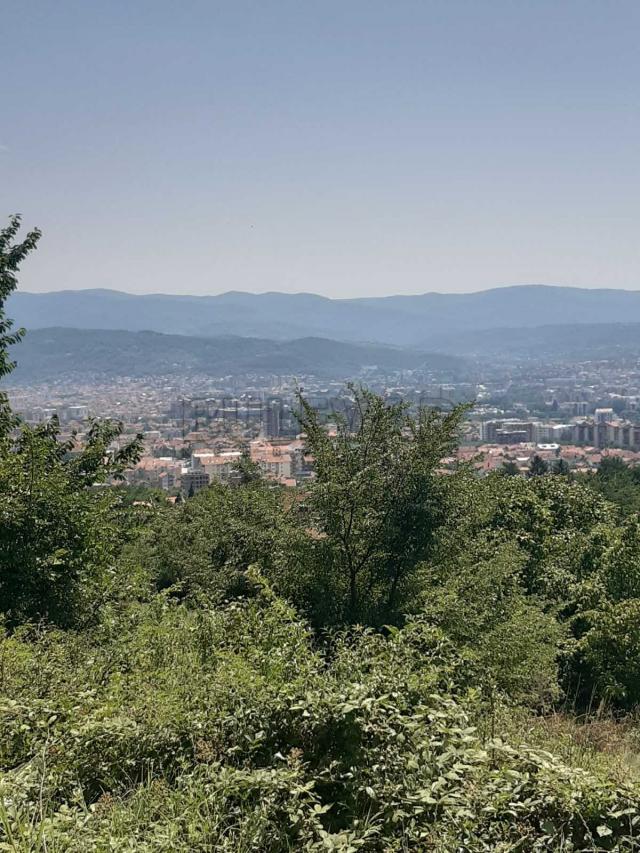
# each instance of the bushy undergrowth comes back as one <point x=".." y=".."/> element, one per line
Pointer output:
<point x="168" y="728"/>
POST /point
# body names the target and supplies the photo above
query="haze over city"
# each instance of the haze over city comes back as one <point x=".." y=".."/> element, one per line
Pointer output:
<point x="346" y="149"/>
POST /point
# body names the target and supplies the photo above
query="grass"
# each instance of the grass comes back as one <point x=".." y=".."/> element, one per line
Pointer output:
<point x="603" y="744"/>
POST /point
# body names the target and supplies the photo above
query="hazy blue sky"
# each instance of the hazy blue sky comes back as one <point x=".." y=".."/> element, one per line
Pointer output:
<point x="346" y="148"/>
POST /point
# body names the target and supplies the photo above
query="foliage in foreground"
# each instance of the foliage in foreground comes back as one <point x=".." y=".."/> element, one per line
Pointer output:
<point x="174" y="729"/>
<point x="60" y="534"/>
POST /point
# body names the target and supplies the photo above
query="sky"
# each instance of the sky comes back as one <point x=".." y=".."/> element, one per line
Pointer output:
<point x="346" y="148"/>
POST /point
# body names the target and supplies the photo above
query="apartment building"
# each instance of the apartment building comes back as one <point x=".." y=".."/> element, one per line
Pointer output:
<point x="275" y="461"/>
<point x="219" y="467"/>
<point x="194" y="481"/>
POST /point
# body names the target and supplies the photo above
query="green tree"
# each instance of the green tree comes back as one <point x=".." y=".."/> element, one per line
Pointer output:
<point x="537" y="466"/>
<point x="12" y="253"/>
<point x="205" y="546"/>
<point x="607" y="656"/>
<point x="611" y="467"/>
<point x="377" y="500"/>
<point x="617" y="482"/>
<point x="509" y="469"/>
<point x="604" y="664"/>
<point x="479" y="600"/>
<point x="247" y="471"/>
<point x="59" y="530"/>
<point x="562" y="467"/>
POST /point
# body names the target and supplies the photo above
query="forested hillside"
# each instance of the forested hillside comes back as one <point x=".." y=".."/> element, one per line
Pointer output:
<point x="103" y="354"/>
<point x="394" y="657"/>
<point x="48" y="354"/>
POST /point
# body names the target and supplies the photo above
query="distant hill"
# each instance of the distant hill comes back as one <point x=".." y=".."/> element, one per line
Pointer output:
<point x="581" y="342"/>
<point x="48" y="354"/>
<point x="396" y="320"/>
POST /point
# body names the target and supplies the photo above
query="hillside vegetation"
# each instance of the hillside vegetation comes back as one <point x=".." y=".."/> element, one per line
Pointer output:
<point x="47" y="354"/>
<point x="390" y="659"/>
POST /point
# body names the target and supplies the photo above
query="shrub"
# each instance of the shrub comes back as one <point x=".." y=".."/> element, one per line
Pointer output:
<point x="169" y="728"/>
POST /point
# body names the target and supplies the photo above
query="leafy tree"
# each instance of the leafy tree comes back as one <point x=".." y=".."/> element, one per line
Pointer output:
<point x="509" y="469"/>
<point x="603" y="664"/>
<point x="247" y="470"/>
<point x="551" y="519"/>
<point x="537" y="466"/>
<point x="619" y="567"/>
<point x="140" y="493"/>
<point x="12" y="254"/>
<point x="617" y="482"/>
<point x="480" y="602"/>
<point x="205" y="546"/>
<point x="611" y="467"/>
<point x="607" y="656"/>
<point x="377" y="500"/>
<point x="59" y="536"/>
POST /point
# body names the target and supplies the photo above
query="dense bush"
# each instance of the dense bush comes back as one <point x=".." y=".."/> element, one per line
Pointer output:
<point x="479" y="601"/>
<point x="183" y="729"/>
<point x="60" y="532"/>
<point x="206" y="545"/>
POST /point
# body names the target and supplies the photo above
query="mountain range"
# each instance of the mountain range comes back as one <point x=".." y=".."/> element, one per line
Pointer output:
<point x="422" y="321"/>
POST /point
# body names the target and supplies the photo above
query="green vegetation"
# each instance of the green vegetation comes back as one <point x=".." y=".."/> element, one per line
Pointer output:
<point x="83" y="354"/>
<point x="12" y="254"/>
<point x="392" y="658"/>
<point x="618" y="483"/>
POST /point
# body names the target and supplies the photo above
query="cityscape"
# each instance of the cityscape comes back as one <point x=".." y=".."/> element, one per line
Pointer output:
<point x="195" y="429"/>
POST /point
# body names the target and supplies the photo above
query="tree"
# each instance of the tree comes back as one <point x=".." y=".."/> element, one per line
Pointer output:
<point x="58" y="531"/>
<point x="607" y="657"/>
<point x="611" y="467"/>
<point x="12" y="254"/>
<point x="377" y="501"/>
<point x="478" y="599"/>
<point x="537" y="466"/>
<point x="205" y="546"/>
<point x="509" y="469"/>
<point x="247" y="471"/>
<point x="617" y="482"/>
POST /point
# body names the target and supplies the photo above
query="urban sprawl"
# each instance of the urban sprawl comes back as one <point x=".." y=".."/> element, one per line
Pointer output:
<point x="196" y="430"/>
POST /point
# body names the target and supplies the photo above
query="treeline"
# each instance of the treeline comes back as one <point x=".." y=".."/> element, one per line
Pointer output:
<point x="365" y="663"/>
